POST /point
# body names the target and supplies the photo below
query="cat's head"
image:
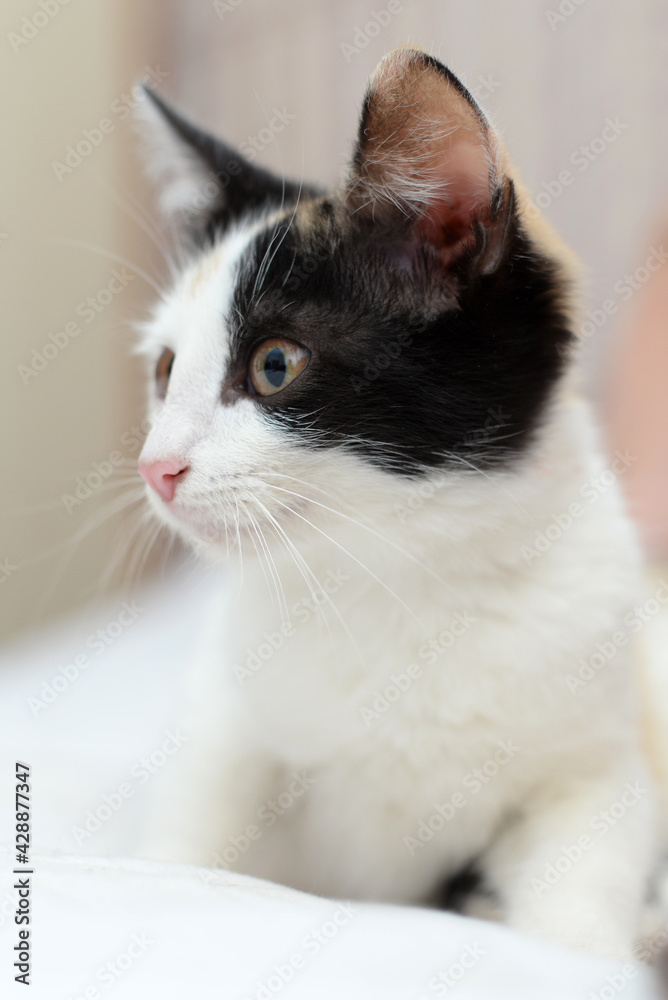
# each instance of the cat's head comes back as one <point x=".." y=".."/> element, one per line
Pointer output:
<point x="406" y="325"/>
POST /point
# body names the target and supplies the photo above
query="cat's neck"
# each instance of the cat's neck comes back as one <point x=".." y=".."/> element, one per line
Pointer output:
<point x="440" y="536"/>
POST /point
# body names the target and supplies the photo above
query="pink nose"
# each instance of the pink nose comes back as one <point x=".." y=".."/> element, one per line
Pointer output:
<point x="162" y="476"/>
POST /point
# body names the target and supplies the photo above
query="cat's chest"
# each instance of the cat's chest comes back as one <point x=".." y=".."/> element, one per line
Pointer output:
<point x="367" y="673"/>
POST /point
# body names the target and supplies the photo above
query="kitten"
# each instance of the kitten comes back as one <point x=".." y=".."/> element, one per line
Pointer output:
<point x="362" y="404"/>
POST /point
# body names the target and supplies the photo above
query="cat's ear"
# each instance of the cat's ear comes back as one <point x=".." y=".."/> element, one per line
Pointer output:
<point x="427" y="165"/>
<point x="204" y="184"/>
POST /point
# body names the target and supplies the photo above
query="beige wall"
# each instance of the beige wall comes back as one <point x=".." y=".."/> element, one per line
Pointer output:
<point x="58" y="422"/>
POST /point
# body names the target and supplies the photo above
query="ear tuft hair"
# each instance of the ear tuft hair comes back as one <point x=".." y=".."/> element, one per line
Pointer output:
<point x="427" y="159"/>
<point x="175" y="160"/>
<point x="204" y="184"/>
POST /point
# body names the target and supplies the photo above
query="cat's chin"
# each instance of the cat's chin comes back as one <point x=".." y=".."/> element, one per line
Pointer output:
<point x="190" y="526"/>
<point x="198" y="531"/>
<point x="216" y="542"/>
<point x="207" y="535"/>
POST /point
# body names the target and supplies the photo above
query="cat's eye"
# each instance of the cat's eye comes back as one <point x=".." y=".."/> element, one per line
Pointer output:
<point x="275" y="364"/>
<point x="163" y="370"/>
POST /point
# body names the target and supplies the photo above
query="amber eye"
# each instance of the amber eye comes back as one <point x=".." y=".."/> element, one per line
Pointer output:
<point x="163" y="370"/>
<point x="275" y="364"/>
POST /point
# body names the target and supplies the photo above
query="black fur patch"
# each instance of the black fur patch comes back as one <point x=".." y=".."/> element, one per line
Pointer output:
<point x="455" y="892"/>
<point x="409" y="368"/>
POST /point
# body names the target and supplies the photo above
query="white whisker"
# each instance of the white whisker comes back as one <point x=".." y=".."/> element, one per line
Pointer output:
<point x="355" y="559"/>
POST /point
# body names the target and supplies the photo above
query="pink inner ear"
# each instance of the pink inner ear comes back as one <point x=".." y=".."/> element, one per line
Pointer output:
<point x="460" y="198"/>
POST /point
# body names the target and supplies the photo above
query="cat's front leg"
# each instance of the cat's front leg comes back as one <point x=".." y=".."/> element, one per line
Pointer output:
<point x="208" y="793"/>
<point x="574" y="867"/>
<point x="202" y="804"/>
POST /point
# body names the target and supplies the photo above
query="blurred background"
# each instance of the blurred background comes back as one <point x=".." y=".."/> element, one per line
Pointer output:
<point x="578" y="88"/>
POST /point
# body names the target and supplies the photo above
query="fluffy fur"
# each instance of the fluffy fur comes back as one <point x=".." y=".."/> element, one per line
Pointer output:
<point x="390" y="694"/>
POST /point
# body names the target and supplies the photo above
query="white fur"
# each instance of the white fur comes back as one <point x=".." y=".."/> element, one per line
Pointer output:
<point x="407" y="566"/>
<point x="187" y="189"/>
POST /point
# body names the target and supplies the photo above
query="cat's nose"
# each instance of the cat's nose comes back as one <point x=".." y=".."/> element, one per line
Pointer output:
<point x="163" y="476"/>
